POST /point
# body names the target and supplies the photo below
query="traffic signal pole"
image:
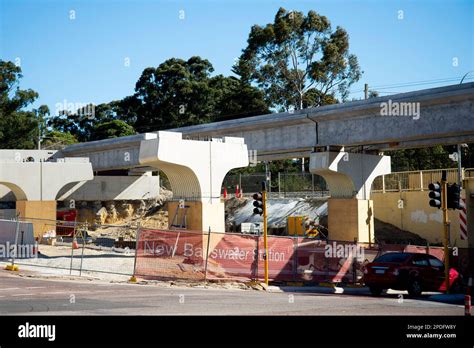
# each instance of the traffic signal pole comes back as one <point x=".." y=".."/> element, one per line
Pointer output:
<point x="265" y="241"/>
<point x="444" y="207"/>
<point x="260" y="205"/>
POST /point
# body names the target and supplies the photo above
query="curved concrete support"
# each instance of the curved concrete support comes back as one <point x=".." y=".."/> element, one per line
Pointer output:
<point x="41" y="181"/>
<point x="19" y="194"/>
<point x="196" y="169"/>
<point x="339" y="185"/>
<point x="184" y="183"/>
<point x="349" y="175"/>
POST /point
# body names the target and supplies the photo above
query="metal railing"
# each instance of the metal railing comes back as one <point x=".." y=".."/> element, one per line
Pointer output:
<point x="415" y="180"/>
<point x="280" y="185"/>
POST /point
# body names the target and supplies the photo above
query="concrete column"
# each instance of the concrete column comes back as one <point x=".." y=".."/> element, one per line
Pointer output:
<point x="349" y="177"/>
<point x="351" y="219"/>
<point x="41" y="213"/>
<point x="196" y="170"/>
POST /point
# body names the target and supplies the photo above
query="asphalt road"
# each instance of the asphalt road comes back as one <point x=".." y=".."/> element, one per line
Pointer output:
<point x="26" y="295"/>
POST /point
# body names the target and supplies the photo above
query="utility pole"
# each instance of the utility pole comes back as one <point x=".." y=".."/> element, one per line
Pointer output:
<point x="366" y="91"/>
<point x="39" y="131"/>
<point x="444" y="207"/>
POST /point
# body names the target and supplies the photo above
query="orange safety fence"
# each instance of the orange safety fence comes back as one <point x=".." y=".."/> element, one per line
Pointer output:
<point x="170" y="254"/>
<point x="165" y="254"/>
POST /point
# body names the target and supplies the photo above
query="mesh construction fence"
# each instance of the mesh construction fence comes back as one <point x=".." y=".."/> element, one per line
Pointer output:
<point x="66" y="247"/>
<point x="164" y="254"/>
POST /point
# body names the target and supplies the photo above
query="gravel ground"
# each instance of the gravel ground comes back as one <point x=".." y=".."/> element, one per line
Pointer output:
<point x="57" y="259"/>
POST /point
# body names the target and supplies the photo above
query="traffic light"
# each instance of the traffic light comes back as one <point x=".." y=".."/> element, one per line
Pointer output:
<point x="435" y="195"/>
<point x="258" y="203"/>
<point x="454" y="197"/>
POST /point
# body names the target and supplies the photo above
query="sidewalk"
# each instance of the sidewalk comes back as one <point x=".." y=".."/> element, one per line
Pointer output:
<point x="322" y="289"/>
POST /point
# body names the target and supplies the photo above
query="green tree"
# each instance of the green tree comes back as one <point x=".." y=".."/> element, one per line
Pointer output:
<point x="111" y="129"/>
<point x="422" y="159"/>
<point x="174" y="94"/>
<point x="18" y="127"/>
<point x="236" y="99"/>
<point x="299" y="61"/>
<point x="42" y="114"/>
<point x="181" y="93"/>
<point x="55" y="140"/>
<point x="83" y="123"/>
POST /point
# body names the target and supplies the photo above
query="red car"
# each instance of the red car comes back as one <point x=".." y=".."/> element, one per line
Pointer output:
<point x="408" y="271"/>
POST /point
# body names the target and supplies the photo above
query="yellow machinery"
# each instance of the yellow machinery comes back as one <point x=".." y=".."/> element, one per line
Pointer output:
<point x="301" y="226"/>
<point x="296" y="225"/>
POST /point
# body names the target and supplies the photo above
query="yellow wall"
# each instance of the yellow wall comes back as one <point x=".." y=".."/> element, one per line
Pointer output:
<point x="416" y="215"/>
<point x="41" y="213"/>
<point x="199" y="217"/>
<point x="350" y="219"/>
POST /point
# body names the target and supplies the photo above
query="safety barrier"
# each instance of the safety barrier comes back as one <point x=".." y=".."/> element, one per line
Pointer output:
<point x="197" y="256"/>
<point x="65" y="247"/>
<point x="190" y="255"/>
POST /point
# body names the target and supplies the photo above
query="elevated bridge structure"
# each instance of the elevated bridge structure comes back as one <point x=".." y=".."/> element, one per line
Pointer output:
<point x="346" y="143"/>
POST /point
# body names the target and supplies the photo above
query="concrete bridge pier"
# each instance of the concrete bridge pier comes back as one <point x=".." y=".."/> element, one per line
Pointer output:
<point x="36" y="177"/>
<point x="196" y="170"/>
<point x="349" y="177"/>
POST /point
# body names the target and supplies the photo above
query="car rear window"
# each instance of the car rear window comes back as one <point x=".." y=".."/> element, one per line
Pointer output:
<point x="392" y="257"/>
<point x="435" y="262"/>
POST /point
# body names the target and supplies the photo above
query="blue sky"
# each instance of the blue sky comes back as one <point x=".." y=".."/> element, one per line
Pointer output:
<point x="82" y="60"/>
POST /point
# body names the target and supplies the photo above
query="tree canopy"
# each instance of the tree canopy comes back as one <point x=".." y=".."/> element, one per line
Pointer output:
<point x="111" y="129"/>
<point x="18" y="127"/>
<point x="182" y="92"/>
<point x="299" y="61"/>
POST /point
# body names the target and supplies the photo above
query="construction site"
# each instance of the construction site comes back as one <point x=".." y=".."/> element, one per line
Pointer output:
<point x="268" y="172"/>
<point x="171" y="205"/>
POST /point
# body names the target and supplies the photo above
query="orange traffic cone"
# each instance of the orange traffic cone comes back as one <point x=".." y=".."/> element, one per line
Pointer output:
<point x="74" y="244"/>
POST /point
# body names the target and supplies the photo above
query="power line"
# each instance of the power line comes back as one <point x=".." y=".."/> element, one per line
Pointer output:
<point x="401" y="84"/>
<point x="414" y="83"/>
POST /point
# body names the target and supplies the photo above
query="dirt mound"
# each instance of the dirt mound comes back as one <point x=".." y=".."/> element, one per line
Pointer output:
<point x="390" y="234"/>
